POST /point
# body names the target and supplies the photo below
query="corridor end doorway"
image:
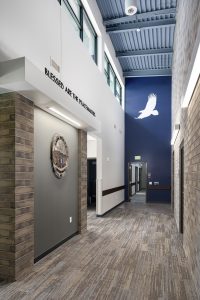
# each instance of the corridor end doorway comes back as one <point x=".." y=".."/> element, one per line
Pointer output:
<point x="91" y="172"/>
<point x="137" y="178"/>
<point x="91" y="182"/>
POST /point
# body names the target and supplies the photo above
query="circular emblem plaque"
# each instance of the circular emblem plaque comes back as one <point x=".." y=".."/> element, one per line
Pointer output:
<point x="59" y="156"/>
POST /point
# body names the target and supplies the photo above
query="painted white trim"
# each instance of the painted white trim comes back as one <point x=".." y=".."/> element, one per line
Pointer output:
<point x="193" y="72"/>
<point x="99" y="181"/>
<point x="175" y="134"/>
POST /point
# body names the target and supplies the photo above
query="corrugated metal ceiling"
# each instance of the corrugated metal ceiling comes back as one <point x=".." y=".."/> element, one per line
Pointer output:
<point x="115" y="8"/>
<point x="151" y="29"/>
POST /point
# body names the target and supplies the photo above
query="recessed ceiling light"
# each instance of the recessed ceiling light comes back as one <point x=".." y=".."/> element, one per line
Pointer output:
<point x="130" y="7"/>
<point x="138" y="29"/>
<point x="64" y="116"/>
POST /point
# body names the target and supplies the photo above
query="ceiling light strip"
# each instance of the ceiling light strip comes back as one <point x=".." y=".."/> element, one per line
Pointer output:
<point x="64" y="116"/>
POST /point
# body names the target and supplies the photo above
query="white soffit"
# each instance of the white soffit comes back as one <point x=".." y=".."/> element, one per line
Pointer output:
<point x="21" y="76"/>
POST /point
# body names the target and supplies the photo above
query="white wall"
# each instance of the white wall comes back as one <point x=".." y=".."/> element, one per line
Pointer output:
<point x="40" y="30"/>
<point x="91" y="149"/>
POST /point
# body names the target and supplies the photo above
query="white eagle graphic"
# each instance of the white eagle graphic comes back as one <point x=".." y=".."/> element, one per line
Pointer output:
<point x="150" y="107"/>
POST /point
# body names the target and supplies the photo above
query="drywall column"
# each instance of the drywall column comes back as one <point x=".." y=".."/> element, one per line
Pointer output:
<point x="82" y="177"/>
<point x="16" y="186"/>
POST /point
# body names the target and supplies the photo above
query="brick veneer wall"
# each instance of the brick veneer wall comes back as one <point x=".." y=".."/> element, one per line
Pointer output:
<point x="186" y="32"/>
<point x="187" y="26"/>
<point x="82" y="139"/>
<point x="191" y="238"/>
<point x="188" y="16"/>
<point x="16" y="186"/>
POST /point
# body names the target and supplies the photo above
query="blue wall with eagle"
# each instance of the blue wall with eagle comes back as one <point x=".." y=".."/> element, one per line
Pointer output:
<point x="150" y="136"/>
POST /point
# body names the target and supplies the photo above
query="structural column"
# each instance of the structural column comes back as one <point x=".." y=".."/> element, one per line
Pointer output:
<point x="16" y="186"/>
<point x="82" y="141"/>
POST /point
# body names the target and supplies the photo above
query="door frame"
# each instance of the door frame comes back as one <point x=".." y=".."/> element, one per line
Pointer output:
<point x="129" y="185"/>
<point x="172" y="179"/>
<point x="88" y="174"/>
<point x="181" y="187"/>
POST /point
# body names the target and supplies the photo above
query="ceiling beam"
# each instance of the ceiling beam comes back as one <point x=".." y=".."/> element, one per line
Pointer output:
<point x="133" y="53"/>
<point x="148" y="73"/>
<point x="141" y="25"/>
<point x="136" y="17"/>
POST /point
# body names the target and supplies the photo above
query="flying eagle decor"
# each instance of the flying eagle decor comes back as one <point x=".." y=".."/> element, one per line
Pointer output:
<point x="150" y="108"/>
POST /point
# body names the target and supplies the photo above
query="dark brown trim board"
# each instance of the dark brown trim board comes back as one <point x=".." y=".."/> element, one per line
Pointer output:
<point x="159" y="187"/>
<point x="113" y="190"/>
<point x="54" y="247"/>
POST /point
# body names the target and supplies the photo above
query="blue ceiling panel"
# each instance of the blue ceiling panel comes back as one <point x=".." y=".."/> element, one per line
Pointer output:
<point x="140" y="41"/>
<point x="115" y="8"/>
<point x="152" y="38"/>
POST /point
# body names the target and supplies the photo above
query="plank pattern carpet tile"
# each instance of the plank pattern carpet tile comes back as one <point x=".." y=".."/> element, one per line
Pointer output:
<point x="134" y="252"/>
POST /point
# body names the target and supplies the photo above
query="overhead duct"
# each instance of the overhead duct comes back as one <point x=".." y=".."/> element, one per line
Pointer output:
<point x="130" y="7"/>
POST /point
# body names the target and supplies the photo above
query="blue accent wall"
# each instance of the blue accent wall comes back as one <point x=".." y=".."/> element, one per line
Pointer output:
<point x="149" y="137"/>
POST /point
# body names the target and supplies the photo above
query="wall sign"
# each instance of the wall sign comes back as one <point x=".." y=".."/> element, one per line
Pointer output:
<point x="59" y="156"/>
<point x="137" y="157"/>
<point x="68" y="91"/>
<point x="149" y="108"/>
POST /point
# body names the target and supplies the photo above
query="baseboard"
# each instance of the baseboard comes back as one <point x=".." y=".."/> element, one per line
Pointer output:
<point x="100" y="216"/>
<point x="54" y="247"/>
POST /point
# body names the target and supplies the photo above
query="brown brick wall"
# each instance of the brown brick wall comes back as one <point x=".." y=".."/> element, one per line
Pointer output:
<point x="82" y="138"/>
<point x="191" y="238"/>
<point x="187" y="24"/>
<point x="16" y="186"/>
<point x="186" y="32"/>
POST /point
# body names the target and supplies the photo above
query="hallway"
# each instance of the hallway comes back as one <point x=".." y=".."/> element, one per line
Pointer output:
<point x="134" y="252"/>
<point x="139" y="197"/>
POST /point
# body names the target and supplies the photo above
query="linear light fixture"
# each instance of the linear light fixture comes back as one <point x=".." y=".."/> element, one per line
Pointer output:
<point x="193" y="79"/>
<point x="175" y="133"/>
<point x="64" y="116"/>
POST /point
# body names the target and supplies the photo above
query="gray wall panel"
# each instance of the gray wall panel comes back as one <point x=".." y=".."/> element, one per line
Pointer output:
<point x="55" y="199"/>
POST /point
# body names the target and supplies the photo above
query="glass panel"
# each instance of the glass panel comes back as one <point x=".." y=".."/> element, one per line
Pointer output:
<point x="75" y="5"/>
<point x="89" y="37"/>
<point x="118" y="91"/>
<point x="118" y="87"/>
<point x="112" y="80"/>
<point x="72" y="18"/>
<point x="118" y="97"/>
<point x="106" y="67"/>
<point x="106" y="63"/>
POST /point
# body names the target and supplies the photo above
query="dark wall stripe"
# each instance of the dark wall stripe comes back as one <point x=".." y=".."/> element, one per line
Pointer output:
<point x="160" y="187"/>
<point x="54" y="247"/>
<point x="113" y="190"/>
